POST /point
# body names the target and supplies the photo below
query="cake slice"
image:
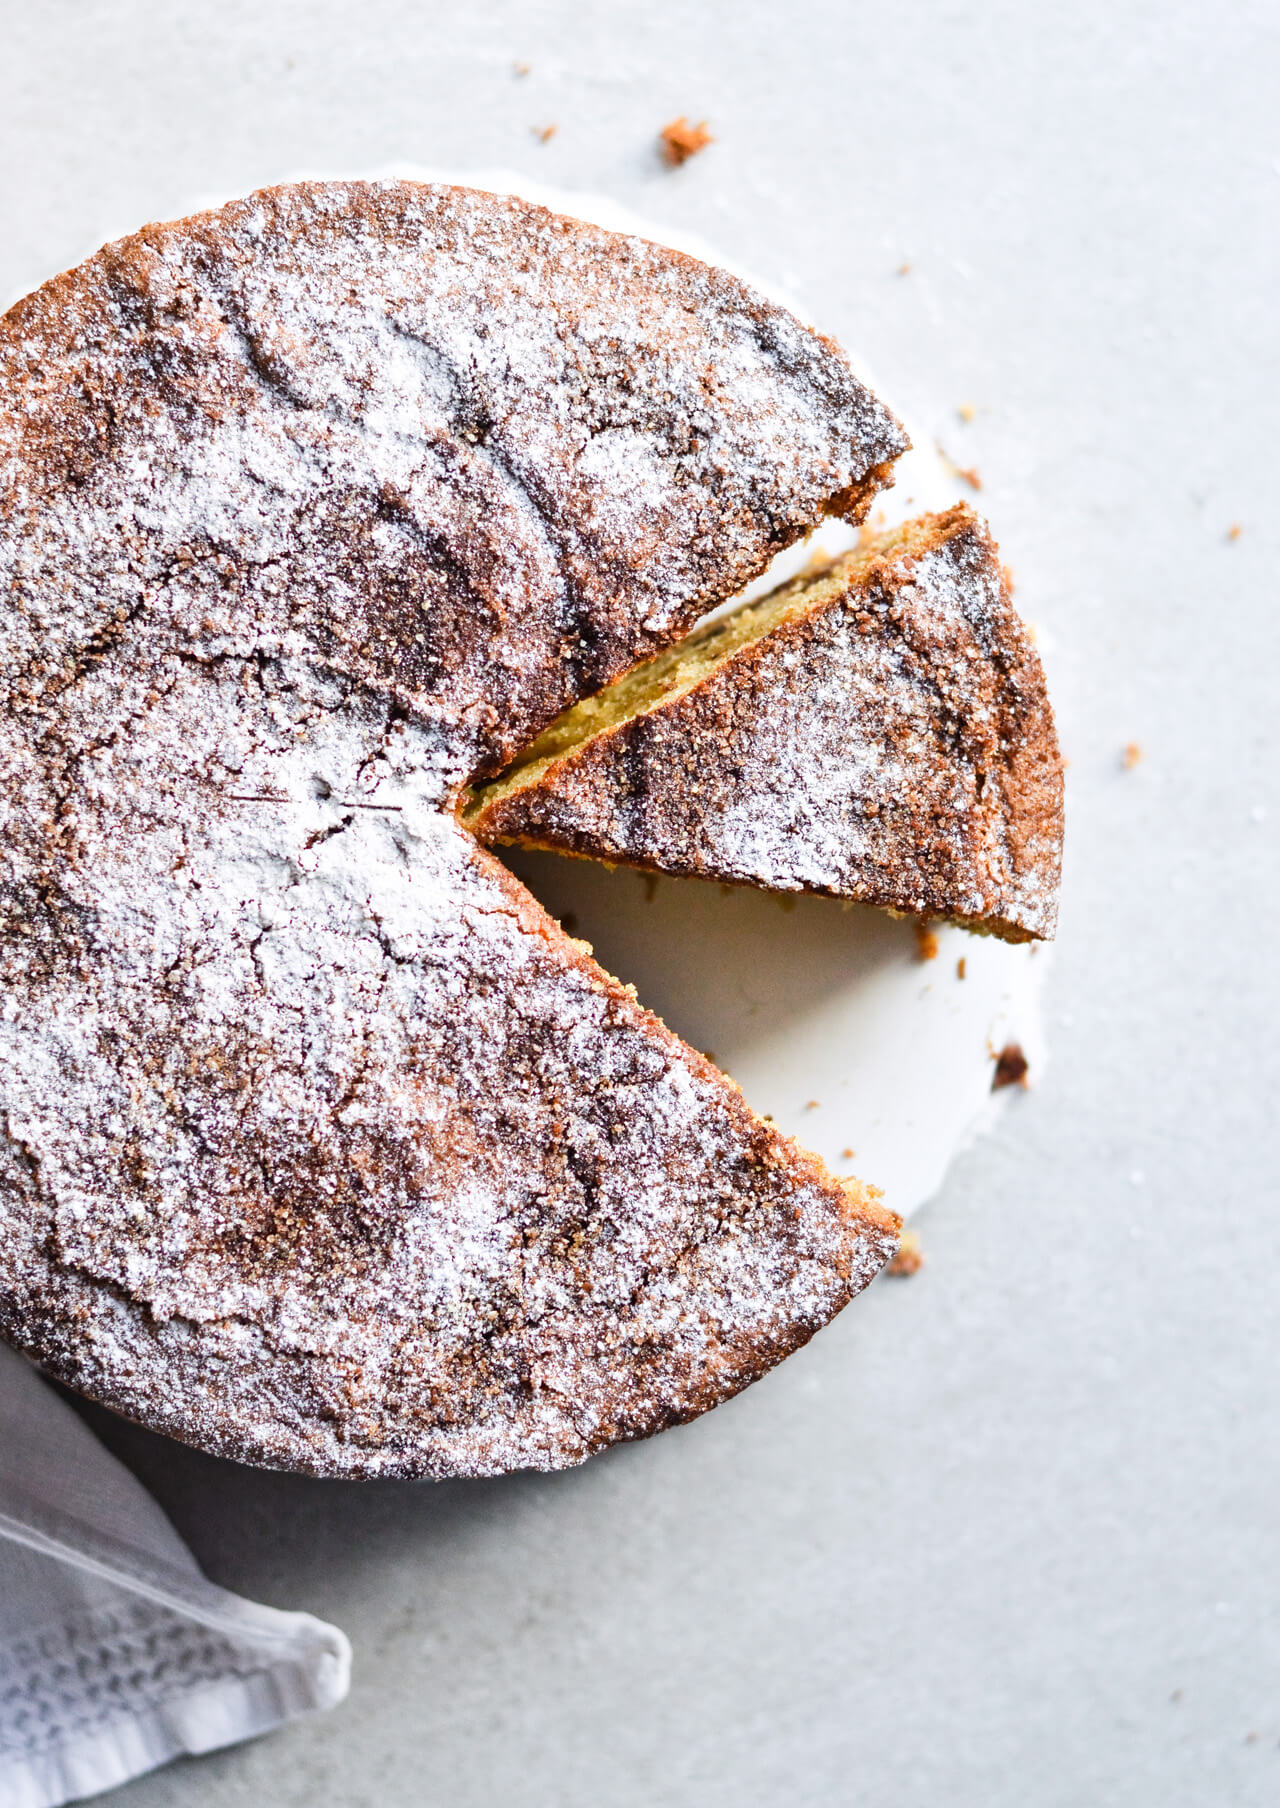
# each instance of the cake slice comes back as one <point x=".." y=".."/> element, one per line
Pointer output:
<point x="877" y="732"/>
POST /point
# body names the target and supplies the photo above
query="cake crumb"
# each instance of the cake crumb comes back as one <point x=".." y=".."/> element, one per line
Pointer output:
<point x="812" y="1104"/>
<point x="968" y="473"/>
<point x="967" y="412"/>
<point x="1235" y="530"/>
<point x="544" y="134"/>
<point x="1012" y="1067"/>
<point x="680" y="140"/>
<point x="1132" y="756"/>
<point x="521" y="68"/>
<point x="960" y="968"/>
<point x="847" y="1154"/>
<point x="904" y="269"/>
<point x="908" y="1258"/>
<point x="926" y="942"/>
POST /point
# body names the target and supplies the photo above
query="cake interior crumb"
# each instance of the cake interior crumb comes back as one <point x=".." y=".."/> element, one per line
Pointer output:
<point x="676" y="670"/>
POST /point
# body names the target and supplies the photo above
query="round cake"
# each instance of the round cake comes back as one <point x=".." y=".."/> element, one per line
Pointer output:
<point x="323" y="1146"/>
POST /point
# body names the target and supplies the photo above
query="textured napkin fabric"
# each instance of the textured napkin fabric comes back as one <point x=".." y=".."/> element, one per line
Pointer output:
<point x="115" y="1653"/>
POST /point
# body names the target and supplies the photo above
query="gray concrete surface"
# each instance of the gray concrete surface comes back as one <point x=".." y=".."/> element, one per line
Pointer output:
<point x="1006" y="1535"/>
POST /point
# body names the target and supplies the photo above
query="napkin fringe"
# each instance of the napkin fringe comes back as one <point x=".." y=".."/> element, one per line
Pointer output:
<point x="141" y="1738"/>
<point x="172" y="1665"/>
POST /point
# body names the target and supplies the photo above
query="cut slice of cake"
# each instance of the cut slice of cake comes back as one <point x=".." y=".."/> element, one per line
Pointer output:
<point x="878" y="732"/>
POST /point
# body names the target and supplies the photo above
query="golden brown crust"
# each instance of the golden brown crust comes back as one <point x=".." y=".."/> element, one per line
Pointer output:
<point x="889" y="741"/>
<point x="322" y="1147"/>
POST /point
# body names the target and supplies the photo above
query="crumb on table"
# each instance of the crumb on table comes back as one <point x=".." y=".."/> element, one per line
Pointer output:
<point x="1012" y="1067"/>
<point x="904" y="269"/>
<point x="967" y="411"/>
<point x="967" y="473"/>
<point x="926" y="942"/>
<point x="908" y="1258"/>
<point x="1234" y="531"/>
<point x="1131" y="756"/>
<point x="680" y="140"/>
<point x="960" y="968"/>
<point x="847" y="1154"/>
<point x="544" y="134"/>
<point x="521" y="68"/>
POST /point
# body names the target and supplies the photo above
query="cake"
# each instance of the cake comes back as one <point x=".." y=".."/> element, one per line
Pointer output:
<point x="323" y="1146"/>
<point x="879" y="732"/>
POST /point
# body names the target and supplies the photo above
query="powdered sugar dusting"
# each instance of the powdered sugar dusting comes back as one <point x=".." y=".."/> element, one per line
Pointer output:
<point x="323" y="1145"/>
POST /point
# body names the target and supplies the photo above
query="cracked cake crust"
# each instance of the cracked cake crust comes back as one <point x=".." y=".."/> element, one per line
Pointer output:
<point x="323" y="1146"/>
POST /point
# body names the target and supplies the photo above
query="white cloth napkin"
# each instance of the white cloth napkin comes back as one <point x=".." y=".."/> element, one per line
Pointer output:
<point x="115" y="1653"/>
